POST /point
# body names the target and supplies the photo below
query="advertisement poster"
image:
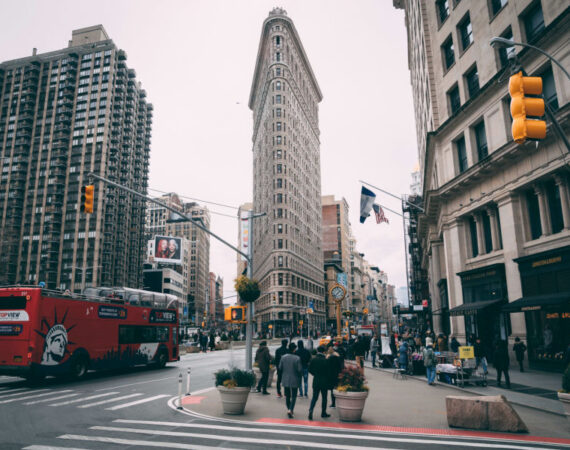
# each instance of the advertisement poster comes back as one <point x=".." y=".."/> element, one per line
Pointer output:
<point x="168" y="249"/>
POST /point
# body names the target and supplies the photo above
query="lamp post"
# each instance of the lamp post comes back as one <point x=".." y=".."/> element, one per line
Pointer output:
<point x="499" y="42"/>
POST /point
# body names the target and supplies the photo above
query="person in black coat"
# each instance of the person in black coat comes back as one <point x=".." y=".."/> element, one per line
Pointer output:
<point x="278" y="355"/>
<point x="336" y="364"/>
<point x="319" y="368"/>
<point x="501" y="361"/>
<point x="519" y="349"/>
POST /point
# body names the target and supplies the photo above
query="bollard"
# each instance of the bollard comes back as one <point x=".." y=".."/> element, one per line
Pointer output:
<point x="188" y="383"/>
<point x="180" y="391"/>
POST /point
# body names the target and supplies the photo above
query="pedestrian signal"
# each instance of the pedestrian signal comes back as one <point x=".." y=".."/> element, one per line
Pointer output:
<point x="87" y="198"/>
<point x="524" y="128"/>
<point x="235" y="314"/>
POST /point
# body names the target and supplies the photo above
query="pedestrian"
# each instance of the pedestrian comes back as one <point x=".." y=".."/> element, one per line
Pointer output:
<point x="403" y="356"/>
<point x="454" y="345"/>
<point x="305" y="356"/>
<point x="212" y="342"/>
<point x="429" y="361"/>
<point x="501" y="361"/>
<point x="291" y="369"/>
<point x="393" y="348"/>
<point x="519" y="349"/>
<point x="318" y="367"/>
<point x="203" y="343"/>
<point x="440" y="344"/>
<point x="278" y="355"/>
<point x="366" y="339"/>
<point x="479" y="355"/>
<point x="359" y="349"/>
<point x="263" y="359"/>
<point x="336" y="364"/>
<point x="374" y="349"/>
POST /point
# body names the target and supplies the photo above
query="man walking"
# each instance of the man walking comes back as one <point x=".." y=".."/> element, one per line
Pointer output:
<point x="278" y="355"/>
<point x="519" y="349"/>
<point x="319" y="368"/>
<point x="501" y="361"/>
<point x="291" y="369"/>
<point x="305" y="356"/>
<point x="429" y="361"/>
<point x="263" y="359"/>
<point x="374" y="349"/>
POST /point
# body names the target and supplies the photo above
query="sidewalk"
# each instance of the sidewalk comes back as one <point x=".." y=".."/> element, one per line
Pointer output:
<point x="401" y="405"/>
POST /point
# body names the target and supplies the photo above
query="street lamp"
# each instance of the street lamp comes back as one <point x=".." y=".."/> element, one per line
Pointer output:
<point x="499" y="42"/>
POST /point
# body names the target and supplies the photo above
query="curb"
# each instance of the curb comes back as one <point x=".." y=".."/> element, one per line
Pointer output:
<point x="457" y="388"/>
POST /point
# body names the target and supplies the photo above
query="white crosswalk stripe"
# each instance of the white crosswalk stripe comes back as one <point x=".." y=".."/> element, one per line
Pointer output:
<point x="116" y="399"/>
<point x="10" y="393"/>
<point x="35" y="395"/>
<point x="45" y="400"/>
<point x="137" y="402"/>
<point x="83" y="399"/>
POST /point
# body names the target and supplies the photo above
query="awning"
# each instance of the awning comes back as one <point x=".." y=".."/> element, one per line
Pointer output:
<point x="468" y="309"/>
<point x="537" y="302"/>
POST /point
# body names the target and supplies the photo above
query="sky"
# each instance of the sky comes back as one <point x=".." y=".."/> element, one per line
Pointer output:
<point x="195" y="59"/>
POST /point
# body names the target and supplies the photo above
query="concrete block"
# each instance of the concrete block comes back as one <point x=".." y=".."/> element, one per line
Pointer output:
<point x="493" y="413"/>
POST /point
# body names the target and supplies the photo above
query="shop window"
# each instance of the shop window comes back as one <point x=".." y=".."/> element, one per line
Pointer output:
<point x="465" y="33"/>
<point x="533" y="21"/>
<point x="454" y="100"/>
<point x="448" y="53"/>
<point x="533" y="215"/>
<point x="481" y="140"/>
<point x="555" y="206"/>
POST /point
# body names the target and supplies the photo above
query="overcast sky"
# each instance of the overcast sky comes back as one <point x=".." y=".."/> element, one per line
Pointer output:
<point x="196" y="60"/>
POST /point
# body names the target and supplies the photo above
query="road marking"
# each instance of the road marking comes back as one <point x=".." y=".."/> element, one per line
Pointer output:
<point x="201" y="391"/>
<point x="50" y="447"/>
<point x="140" y="382"/>
<point x="82" y="399"/>
<point x="35" y="396"/>
<point x="312" y="444"/>
<point x="138" y="402"/>
<point x="137" y="443"/>
<point x="14" y="390"/>
<point x="111" y="400"/>
<point x="50" y="399"/>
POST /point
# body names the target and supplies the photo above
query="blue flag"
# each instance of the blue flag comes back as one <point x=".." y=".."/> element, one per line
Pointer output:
<point x="366" y="201"/>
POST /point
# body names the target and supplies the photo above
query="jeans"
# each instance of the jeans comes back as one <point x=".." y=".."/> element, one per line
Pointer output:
<point x="507" y="379"/>
<point x="316" y="392"/>
<point x="263" y="381"/>
<point x="290" y="398"/>
<point x="373" y="353"/>
<point x="304" y="381"/>
<point x="483" y="361"/>
<point x="430" y="372"/>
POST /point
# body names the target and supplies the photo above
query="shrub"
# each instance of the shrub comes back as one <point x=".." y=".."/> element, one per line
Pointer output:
<point x="247" y="288"/>
<point x="566" y="380"/>
<point x="234" y="378"/>
<point x="351" y="379"/>
<point x="222" y="376"/>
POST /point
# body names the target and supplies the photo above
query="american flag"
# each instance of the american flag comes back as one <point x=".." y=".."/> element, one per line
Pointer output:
<point x="379" y="212"/>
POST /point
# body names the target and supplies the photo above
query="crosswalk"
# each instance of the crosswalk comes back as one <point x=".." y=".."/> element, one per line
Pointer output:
<point x="194" y="435"/>
<point x="112" y="401"/>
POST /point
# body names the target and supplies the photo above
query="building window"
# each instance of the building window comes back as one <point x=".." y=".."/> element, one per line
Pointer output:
<point x="472" y="80"/>
<point x="277" y="40"/>
<point x="554" y="206"/>
<point x="278" y="85"/>
<point x="280" y="261"/>
<point x="504" y="52"/>
<point x="465" y="32"/>
<point x="473" y="236"/>
<point x="461" y="154"/>
<point x="278" y="56"/>
<point x="533" y="22"/>
<point x="279" y="183"/>
<point x="279" y="168"/>
<point x="454" y="100"/>
<point x="496" y="6"/>
<point x="278" y="99"/>
<point x="533" y="214"/>
<point x="442" y="10"/>
<point x="278" y="112"/>
<point x="448" y="53"/>
<point x="549" y="89"/>
<point x="278" y="126"/>
<point x="481" y="140"/>
<point x="487" y="232"/>
<point x="278" y="140"/>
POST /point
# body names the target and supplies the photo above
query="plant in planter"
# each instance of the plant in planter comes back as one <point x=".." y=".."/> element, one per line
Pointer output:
<point x="234" y="386"/>
<point x="564" y="393"/>
<point x="351" y="393"/>
<point x="247" y="288"/>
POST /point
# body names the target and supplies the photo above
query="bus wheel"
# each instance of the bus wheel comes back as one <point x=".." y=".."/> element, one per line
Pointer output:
<point x="161" y="359"/>
<point x="79" y="366"/>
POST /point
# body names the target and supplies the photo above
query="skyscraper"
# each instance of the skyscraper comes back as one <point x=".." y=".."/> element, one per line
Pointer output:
<point x="63" y="114"/>
<point x="288" y="255"/>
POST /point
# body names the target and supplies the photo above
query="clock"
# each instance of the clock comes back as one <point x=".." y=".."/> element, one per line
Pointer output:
<point x="337" y="292"/>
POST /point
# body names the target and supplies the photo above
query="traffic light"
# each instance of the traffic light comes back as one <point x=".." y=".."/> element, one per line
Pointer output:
<point x="522" y="106"/>
<point x="87" y="198"/>
<point x="235" y="314"/>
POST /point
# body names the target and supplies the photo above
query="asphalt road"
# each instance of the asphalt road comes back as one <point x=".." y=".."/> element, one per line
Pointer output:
<point x="135" y="409"/>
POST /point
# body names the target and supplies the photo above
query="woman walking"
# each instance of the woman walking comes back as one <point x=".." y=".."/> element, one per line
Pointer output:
<point x="291" y="371"/>
<point x="501" y="361"/>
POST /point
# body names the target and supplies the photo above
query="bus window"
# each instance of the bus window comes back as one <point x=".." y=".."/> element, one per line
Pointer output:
<point x="13" y="302"/>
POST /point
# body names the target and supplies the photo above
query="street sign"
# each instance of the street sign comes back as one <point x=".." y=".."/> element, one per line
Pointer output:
<point x="342" y="278"/>
<point x="418" y="308"/>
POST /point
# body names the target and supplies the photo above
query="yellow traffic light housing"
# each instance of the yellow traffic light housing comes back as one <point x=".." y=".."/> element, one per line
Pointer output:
<point x="235" y="314"/>
<point x="87" y="198"/>
<point x="523" y="106"/>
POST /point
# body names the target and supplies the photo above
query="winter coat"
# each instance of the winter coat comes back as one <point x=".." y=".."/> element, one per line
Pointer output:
<point x="403" y="351"/>
<point x="374" y="345"/>
<point x="279" y="353"/>
<point x="305" y="356"/>
<point x="359" y="347"/>
<point x="336" y="364"/>
<point x="291" y="370"/>
<point x="455" y="345"/>
<point x="429" y="357"/>
<point x="319" y="368"/>
<point x="519" y="349"/>
<point x="263" y="358"/>
<point x="501" y="356"/>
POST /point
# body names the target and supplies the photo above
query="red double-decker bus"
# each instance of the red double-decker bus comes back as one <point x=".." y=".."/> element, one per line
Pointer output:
<point x="45" y="332"/>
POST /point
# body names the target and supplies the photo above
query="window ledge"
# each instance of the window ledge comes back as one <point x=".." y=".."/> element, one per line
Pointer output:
<point x="484" y="260"/>
<point x="545" y="240"/>
<point x="466" y="48"/>
<point x="498" y="12"/>
<point x="448" y="69"/>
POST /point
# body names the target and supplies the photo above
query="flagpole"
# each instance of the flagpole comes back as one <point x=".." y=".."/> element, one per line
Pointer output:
<point x="391" y="210"/>
<point x="393" y="195"/>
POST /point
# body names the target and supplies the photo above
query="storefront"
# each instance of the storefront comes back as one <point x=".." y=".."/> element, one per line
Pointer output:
<point x="484" y="294"/>
<point x="545" y="280"/>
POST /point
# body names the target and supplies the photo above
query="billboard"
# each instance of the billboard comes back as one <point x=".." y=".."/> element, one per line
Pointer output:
<point x="168" y="249"/>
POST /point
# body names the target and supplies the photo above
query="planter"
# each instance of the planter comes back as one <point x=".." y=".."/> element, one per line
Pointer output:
<point x="565" y="399"/>
<point x="350" y="405"/>
<point x="258" y="376"/>
<point x="233" y="399"/>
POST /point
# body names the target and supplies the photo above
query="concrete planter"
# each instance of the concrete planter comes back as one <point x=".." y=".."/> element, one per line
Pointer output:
<point x="258" y="376"/>
<point x="350" y="405"/>
<point x="233" y="399"/>
<point x="565" y="399"/>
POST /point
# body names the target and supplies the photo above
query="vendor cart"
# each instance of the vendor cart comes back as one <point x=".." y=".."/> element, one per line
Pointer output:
<point x="467" y="370"/>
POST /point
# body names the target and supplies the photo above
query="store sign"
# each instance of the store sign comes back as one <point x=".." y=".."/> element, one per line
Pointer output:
<point x="530" y="308"/>
<point x="14" y="316"/>
<point x="466" y="352"/>
<point x="547" y="261"/>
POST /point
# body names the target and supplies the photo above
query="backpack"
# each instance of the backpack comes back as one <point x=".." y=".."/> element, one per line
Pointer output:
<point x="429" y="357"/>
